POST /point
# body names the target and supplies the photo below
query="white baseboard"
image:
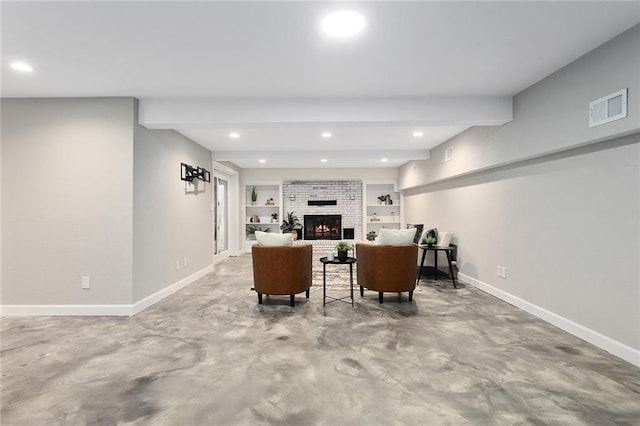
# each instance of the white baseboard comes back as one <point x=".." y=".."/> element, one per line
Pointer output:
<point x="65" y="310"/>
<point x="610" y="345"/>
<point x="123" y="310"/>
<point x="143" y="304"/>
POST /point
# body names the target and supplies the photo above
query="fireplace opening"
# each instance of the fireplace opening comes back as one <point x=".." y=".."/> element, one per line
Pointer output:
<point x="322" y="227"/>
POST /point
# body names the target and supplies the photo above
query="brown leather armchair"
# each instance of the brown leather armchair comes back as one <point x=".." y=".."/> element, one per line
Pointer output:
<point x="282" y="270"/>
<point x="387" y="268"/>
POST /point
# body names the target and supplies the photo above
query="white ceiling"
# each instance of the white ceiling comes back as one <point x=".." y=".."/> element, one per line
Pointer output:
<point x="229" y="51"/>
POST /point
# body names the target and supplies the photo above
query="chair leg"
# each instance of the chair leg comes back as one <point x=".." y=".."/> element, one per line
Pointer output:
<point x="307" y="293"/>
<point x="293" y="297"/>
<point x="361" y="291"/>
<point x="260" y="298"/>
<point x="380" y="296"/>
<point x="410" y="295"/>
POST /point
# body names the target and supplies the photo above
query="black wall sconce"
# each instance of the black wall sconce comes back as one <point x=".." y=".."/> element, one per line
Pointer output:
<point x="189" y="173"/>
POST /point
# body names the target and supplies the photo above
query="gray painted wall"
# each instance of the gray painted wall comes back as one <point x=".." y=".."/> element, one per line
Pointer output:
<point x="169" y="224"/>
<point x="87" y="191"/>
<point x="67" y="200"/>
<point x="566" y="226"/>
<point x="566" y="230"/>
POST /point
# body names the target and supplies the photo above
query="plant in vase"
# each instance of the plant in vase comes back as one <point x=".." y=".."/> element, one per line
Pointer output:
<point x="343" y="247"/>
<point x="371" y="236"/>
<point x="274" y="217"/>
<point x="385" y="199"/>
<point x="290" y="223"/>
<point x="430" y="240"/>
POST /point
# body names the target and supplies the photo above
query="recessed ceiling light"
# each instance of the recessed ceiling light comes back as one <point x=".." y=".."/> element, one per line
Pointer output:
<point x="234" y="135"/>
<point x="324" y="160"/>
<point x="262" y="160"/>
<point x="384" y="160"/>
<point x="21" y="66"/>
<point x="418" y="134"/>
<point x="343" y="23"/>
<point x="326" y="135"/>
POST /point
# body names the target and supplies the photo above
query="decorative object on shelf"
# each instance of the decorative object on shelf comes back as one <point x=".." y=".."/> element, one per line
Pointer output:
<point x="375" y="218"/>
<point x="255" y="219"/>
<point x="371" y="236"/>
<point x="393" y="217"/>
<point x="343" y="248"/>
<point x="290" y="223"/>
<point x="189" y="173"/>
<point x="274" y="217"/>
<point x="386" y="199"/>
<point x="254" y="195"/>
<point x="251" y="230"/>
<point x="270" y="202"/>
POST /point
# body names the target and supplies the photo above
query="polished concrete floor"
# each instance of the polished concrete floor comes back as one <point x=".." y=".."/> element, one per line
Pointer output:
<point x="210" y="355"/>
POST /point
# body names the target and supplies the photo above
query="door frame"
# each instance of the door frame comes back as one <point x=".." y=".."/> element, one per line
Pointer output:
<point x="233" y="208"/>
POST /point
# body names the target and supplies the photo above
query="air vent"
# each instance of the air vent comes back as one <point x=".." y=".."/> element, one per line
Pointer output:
<point x="608" y="108"/>
<point x="448" y="154"/>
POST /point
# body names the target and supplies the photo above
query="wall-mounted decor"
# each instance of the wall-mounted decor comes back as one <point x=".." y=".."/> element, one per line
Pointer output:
<point x="322" y="202"/>
<point x="189" y="173"/>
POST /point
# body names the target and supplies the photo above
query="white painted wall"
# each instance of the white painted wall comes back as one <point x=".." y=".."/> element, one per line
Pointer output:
<point x="565" y="225"/>
<point x="67" y="200"/>
<point x="169" y="223"/>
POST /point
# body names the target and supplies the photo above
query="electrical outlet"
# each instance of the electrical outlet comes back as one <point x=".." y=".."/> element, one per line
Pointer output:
<point x="178" y="265"/>
<point x="185" y="263"/>
<point x="504" y="272"/>
<point x="499" y="271"/>
<point x="86" y="282"/>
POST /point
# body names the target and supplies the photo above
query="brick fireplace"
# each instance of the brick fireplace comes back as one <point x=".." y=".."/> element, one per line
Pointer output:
<point x="316" y="198"/>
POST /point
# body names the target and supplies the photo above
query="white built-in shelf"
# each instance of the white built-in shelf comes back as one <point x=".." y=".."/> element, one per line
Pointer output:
<point x="266" y="191"/>
<point x="389" y="215"/>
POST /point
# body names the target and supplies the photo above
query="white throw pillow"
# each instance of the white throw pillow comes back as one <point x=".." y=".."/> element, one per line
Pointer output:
<point x="444" y="238"/>
<point x="274" y="240"/>
<point x="396" y="237"/>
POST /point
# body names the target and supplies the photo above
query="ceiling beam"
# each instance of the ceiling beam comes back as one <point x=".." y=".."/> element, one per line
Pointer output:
<point x="165" y="113"/>
<point x="364" y="155"/>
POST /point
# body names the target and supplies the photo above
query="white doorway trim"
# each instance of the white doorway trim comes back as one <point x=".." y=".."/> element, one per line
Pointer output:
<point x="233" y="205"/>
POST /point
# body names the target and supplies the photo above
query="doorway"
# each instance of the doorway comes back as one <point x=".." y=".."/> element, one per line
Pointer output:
<point x="220" y="218"/>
